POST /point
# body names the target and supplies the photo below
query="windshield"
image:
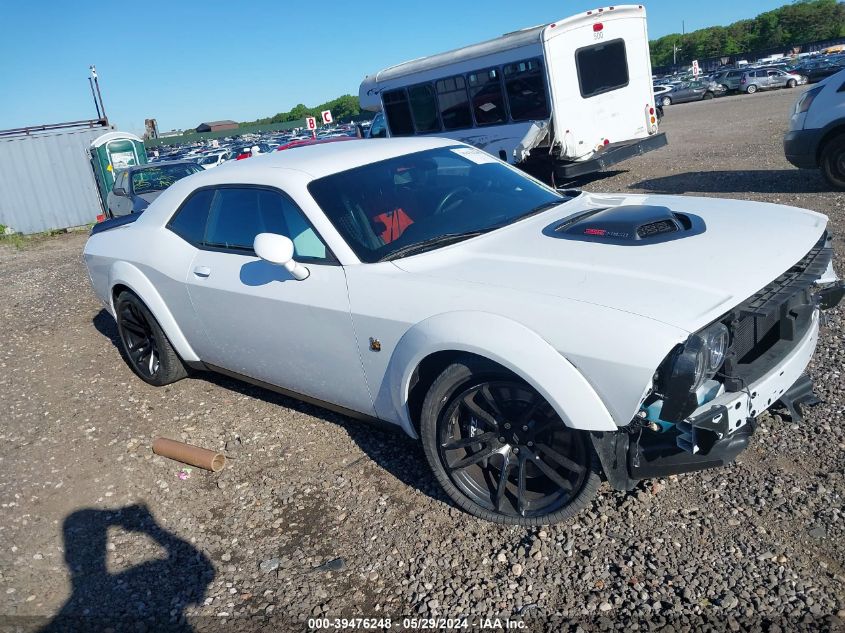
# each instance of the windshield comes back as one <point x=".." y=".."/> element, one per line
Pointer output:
<point x="208" y="160"/>
<point x="428" y="199"/>
<point x="161" y="177"/>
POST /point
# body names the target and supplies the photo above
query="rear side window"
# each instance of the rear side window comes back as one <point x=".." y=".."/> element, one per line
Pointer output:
<point x="602" y="67"/>
<point x="525" y="85"/>
<point x="189" y="221"/>
<point x="424" y="108"/>
<point x="454" y="103"/>
<point x="488" y="102"/>
<point x="398" y="113"/>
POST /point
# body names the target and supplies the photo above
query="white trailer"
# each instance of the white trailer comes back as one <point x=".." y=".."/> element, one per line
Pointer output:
<point x="562" y="99"/>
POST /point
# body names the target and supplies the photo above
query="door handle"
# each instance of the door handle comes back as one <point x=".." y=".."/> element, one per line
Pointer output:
<point x="202" y="271"/>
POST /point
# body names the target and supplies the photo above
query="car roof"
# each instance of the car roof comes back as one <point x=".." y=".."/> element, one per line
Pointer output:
<point x="323" y="159"/>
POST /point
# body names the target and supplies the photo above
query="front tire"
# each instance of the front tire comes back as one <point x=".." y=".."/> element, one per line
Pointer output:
<point x="707" y="95"/>
<point x="500" y="451"/>
<point x="666" y="101"/>
<point x="791" y="83"/>
<point x="832" y="161"/>
<point x="145" y="346"/>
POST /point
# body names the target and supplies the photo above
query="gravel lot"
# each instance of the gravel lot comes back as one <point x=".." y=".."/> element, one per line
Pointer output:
<point x="319" y="515"/>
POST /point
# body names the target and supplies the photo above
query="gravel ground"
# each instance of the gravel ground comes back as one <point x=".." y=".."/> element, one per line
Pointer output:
<point x="319" y="515"/>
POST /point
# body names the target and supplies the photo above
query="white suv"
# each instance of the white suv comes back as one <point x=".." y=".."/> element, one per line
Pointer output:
<point x="816" y="137"/>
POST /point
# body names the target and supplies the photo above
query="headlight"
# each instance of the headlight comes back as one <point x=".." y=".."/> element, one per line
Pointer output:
<point x="716" y="339"/>
<point x="688" y="367"/>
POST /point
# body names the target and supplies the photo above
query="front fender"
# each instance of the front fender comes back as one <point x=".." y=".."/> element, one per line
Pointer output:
<point x="125" y="274"/>
<point x="512" y="345"/>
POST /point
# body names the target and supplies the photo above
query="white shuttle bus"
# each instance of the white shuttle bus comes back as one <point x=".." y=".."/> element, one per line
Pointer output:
<point x="559" y="100"/>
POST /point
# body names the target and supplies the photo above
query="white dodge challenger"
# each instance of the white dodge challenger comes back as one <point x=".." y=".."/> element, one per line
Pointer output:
<point x="532" y="339"/>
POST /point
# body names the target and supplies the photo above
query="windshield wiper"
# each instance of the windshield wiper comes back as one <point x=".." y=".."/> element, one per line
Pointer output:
<point x="431" y="243"/>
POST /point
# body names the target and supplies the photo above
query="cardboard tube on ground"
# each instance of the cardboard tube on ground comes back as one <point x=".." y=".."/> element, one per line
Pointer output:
<point x="187" y="454"/>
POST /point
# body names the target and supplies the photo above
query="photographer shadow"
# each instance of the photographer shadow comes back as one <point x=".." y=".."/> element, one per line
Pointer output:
<point x="151" y="595"/>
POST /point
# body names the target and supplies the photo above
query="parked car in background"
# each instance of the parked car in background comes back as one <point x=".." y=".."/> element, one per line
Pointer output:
<point x="816" y="136"/>
<point x="729" y="78"/>
<point x="690" y="91"/>
<point x="767" y="79"/>
<point x="315" y="141"/>
<point x="214" y="159"/>
<point x="529" y="338"/>
<point x="816" y="72"/>
<point x="136" y="187"/>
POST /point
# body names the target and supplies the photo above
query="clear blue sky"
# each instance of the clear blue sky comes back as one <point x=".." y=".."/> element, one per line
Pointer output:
<point x="183" y="62"/>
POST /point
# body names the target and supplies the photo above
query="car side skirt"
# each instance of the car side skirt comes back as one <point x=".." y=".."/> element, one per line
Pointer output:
<point x="350" y="413"/>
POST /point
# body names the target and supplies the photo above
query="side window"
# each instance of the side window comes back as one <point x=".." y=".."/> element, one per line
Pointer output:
<point x="378" y="129"/>
<point x="189" y="221"/>
<point x="237" y="215"/>
<point x="454" y="103"/>
<point x="526" y="90"/>
<point x="488" y="102"/>
<point x="398" y="112"/>
<point x="424" y="108"/>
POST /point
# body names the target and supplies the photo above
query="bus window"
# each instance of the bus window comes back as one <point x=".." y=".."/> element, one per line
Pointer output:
<point x="525" y="87"/>
<point x="398" y="113"/>
<point x="488" y="102"/>
<point x="602" y="67"/>
<point x="424" y="108"/>
<point x="454" y="103"/>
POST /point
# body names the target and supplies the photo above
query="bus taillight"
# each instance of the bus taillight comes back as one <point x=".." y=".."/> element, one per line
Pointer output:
<point x="650" y="119"/>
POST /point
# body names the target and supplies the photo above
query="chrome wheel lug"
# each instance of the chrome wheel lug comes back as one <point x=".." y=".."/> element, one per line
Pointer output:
<point x="525" y="428"/>
<point x="502" y="439"/>
<point x="507" y="425"/>
<point x="516" y="450"/>
<point x="530" y="444"/>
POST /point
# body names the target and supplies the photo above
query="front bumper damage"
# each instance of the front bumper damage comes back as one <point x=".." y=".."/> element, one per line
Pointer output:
<point x="776" y="331"/>
<point x="715" y="433"/>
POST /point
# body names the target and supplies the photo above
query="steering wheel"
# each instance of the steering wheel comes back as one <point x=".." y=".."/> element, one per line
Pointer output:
<point x="448" y="198"/>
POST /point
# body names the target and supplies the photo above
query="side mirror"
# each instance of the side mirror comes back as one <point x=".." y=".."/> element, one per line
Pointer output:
<point x="278" y="249"/>
<point x="119" y="191"/>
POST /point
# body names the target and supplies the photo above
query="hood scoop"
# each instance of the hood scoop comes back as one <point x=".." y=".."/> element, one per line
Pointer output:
<point x="628" y="225"/>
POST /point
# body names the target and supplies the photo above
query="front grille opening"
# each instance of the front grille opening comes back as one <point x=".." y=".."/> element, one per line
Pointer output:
<point x="765" y="341"/>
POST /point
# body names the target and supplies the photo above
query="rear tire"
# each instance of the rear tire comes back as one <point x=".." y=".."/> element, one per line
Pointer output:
<point x="527" y="468"/>
<point x="144" y="344"/>
<point x="832" y="161"/>
<point x="707" y="95"/>
<point x="751" y="89"/>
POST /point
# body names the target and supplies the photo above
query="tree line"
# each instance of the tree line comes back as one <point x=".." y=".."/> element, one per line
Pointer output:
<point x="789" y="25"/>
<point x="343" y="107"/>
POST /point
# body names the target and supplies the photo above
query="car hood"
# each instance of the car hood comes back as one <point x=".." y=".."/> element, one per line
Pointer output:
<point x="734" y="249"/>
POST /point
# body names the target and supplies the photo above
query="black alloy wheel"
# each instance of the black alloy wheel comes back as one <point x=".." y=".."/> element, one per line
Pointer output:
<point x="145" y="346"/>
<point x="502" y="452"/>
<point x="139" y="339"/>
